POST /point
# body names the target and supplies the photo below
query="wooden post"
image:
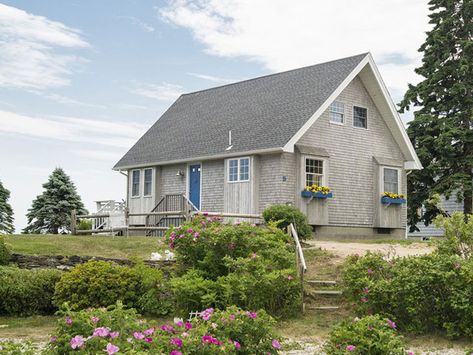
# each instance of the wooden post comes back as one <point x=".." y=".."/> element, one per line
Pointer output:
<point x="127" y="220"/>
<point x="73" y="222"/>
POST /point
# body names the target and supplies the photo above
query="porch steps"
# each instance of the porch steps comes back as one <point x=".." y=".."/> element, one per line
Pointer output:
<point x="323" y="295"/>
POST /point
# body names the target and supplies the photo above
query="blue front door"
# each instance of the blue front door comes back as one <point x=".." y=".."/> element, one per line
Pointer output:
<point x="194" y="185"/>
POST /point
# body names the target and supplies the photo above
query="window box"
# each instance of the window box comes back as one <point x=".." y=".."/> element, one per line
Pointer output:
<point x="310" y="194"/>
<point x="392" y="201"/>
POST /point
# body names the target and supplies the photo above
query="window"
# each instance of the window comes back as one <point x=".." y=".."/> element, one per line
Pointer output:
<point x="360" y="117"/>
<point x="314" y="172"/>
<point x="337" y="110"/>
<point x="391" y="180"/>
<point x="135" y="183"/>
<point x="148" y="186"/>
<point x="239" y="169"/>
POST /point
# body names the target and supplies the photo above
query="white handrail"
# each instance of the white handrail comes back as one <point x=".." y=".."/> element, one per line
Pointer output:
<point x="298" y="247"/>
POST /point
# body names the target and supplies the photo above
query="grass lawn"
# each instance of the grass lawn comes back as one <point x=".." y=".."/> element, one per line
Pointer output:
<point x="105" y="246"/>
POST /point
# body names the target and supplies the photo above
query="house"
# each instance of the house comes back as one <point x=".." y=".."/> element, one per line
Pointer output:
<point x="242" y="147"/>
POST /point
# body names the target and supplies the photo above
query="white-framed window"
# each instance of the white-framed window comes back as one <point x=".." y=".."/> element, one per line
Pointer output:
<point x="337" y="112"/>
<point x="135" y="183"/>
<point x="314" y="171"/>
<point x="391" y="180"/>
<point x="239" y="169"/>
<point x="148" y="182"/>
<point x="360" y="117"/>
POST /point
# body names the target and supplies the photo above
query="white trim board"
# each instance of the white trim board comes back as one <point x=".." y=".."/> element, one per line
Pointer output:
<point x="404" y="142"/>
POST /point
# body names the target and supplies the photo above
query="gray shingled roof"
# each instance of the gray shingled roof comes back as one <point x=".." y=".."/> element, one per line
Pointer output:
<point x="262" y="113"/>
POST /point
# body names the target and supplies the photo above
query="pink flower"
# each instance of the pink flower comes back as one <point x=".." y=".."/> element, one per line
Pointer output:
<point x="208" y="339"/>
<point x="391" y="323"/>
<point x="190" y="230"/>
<point x="94" y="319"/>
<point x="365" y="290"/>
<point x="188" y="325"/>
<point x="364" y="299"/>
<point x="101" y="332"/>
<point x="196" y="235"/>
<point x="370" y="271"/>
<point x="114" y="335"/>
<point x="351" y="347"/>
<point x="276" y="344"/>
<point x="176" y="341"/>
<point x="77" y="342"/>
<point x="68" y="320"/>
<point x="167" y="328"/>
<point x="206" y="313"/>
<point x="237" y="345"/>
<point x="185" y="334"/>
<point x="232" y="317"/>
<point x="138" y="335"/>
<point x="175" y="352"/>
<point x="149" y="340"/>
<point x="253" y="255"/>
<point x="251" y="314"/>
<point x="112" y="349"/>
<point x="290" y="277"/>
<point x="53" y="339"/>
<point x="149" y="331"/>
<point x="411" y="353"/>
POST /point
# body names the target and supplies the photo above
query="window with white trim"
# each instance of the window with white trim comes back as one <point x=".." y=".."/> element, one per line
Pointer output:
<point x="135" y="183"/>
<point x="148" y="182"/>
<point x="239" y="169"/>
<point x="314" y="171"/>
<point x="360" y="117"/>
<point x="391" y="180"/>
<point x="337" y="112"/>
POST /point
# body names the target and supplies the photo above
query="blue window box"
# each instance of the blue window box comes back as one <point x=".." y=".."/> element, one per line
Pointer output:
<point x="393" y="201"/>
<point x="309" y="194"/>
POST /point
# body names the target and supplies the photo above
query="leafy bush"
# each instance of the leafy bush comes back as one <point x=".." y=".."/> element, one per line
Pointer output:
<point x="102" y="283"/>
<point x="426" y="293"/>
<point x="5" y="253"/>
<point x="230" y="331"/>
<point x="283" y="215"/>
<point x="458" y="235"/>
<point x="10" y="347"/>
<point x="369" y="335"/>
<point x="243" y="265"/>
<point x="84" y="224"/>
<point x="26" y="292"/>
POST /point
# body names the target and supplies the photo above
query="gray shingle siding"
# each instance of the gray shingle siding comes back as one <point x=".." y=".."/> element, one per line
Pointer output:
<point x="170" y="183"/>
<point x="212" y="185"/>
<point x="351" y="151"/>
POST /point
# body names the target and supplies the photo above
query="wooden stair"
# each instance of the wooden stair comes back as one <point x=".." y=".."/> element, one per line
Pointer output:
<point x="322" y="295"/>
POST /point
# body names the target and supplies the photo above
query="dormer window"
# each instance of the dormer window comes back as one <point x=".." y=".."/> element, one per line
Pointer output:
<point x="337" y="112"/>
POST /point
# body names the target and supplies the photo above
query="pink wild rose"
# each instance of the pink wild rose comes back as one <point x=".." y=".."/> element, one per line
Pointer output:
<point x="77" y="342"/>
<point x="236" y="344"/>
<point x="138" y="335"/>
<point x="114" y="335"/>
<point x="112" y="349"/>
<point x="175" y="352"/>
<point x="252" y="314"/>
<point x="101" y="332"/>
<point x="188" y="325"/>
<point x="391" y="324"/>
<point x="94" y="319"/>
<point x="149" y="331"/>
<point x="351" y="347"/>
<point x="276" y="344"/>
<point x="176" y="341"/>
<point x="68" y="320"/>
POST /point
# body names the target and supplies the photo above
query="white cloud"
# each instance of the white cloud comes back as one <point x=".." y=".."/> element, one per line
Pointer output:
<point x="214" y="79"/>
<point x="111" y="157"/>
<point x="29" y="47"/>
<point x="162" y="92"/>
<point x="65" y="100"/>
<point x="72" y="129"/>
<point x="283" y="34"/>
<point x="137" y="22"/>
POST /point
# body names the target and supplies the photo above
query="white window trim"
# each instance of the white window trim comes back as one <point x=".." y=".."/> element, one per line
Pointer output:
<point x="152" y="182"/>
<point x="344" y="114"/>
<point x="188" y="181"/>
<point x="139" y="184"/>
<point x="324" y="169"/>
<point x="353" y="116"/>
<point x="238" y="167"/>
<point x="399" y="178"/>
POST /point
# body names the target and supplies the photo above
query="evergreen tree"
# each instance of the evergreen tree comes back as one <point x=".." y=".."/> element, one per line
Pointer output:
<point x="51" y="211"/>
<point x="442" y="127"/>
<point x="6" y="212"/>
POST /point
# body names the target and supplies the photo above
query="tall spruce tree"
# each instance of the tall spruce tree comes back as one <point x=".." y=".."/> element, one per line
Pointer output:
<point x="442" y="127"/>
<point x="51" y="211"/>
<point x="6" y="212"/>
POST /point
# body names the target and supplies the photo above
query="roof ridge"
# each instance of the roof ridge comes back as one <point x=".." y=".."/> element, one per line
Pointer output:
<point x="273" y="74"/>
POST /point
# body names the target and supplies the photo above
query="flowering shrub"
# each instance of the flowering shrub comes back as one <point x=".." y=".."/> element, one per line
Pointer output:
<point x="283" y="215"/>
<point x="102" y="283"/>
<point x="424" y="293"/>
<point x="26" y="292"/>
<point x="5" y="252"/>
<point x="393" y="195"/>
<point x="371" y="335"/>
<point x="119" y="330"/>
<point x="243" y="265"/>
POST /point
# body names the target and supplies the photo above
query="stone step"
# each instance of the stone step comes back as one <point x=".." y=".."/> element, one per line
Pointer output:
<point x="322" y="282"/>
<point x="324" y="308"/>
<point x="326" y="292"/>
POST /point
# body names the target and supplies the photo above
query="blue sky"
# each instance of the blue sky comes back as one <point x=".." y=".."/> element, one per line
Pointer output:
<point x="80" y="81"/>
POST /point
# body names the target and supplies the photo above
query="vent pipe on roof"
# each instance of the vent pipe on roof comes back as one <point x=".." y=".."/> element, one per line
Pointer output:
<point x="230" y="145"/>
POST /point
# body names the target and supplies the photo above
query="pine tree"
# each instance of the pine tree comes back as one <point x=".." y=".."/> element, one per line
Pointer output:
<point x="442" y="127"/>
<point x="6" y="212"/>
<point x="51" y="211"/>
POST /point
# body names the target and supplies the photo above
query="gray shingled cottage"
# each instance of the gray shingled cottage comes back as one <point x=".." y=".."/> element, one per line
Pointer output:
<point x="242" y="147"/>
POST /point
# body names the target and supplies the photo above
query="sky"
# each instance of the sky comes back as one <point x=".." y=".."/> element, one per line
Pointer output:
<point x="81" y="81"/>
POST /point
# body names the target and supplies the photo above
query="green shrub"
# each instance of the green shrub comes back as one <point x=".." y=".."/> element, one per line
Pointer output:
<point x="458" y="235"/>
<point x="369" y="335"/>
<point x="27" y="292"/>
<point x="244" y="265"/>
<point x="102" y="283"/>
<point x="230" y="331"/>
<point x="283" y="215"/>
<point x="9" y="347"/>
<point x="5" y="253"/>
<point x="422" y="294"/>
<point x="84" y="224"/>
